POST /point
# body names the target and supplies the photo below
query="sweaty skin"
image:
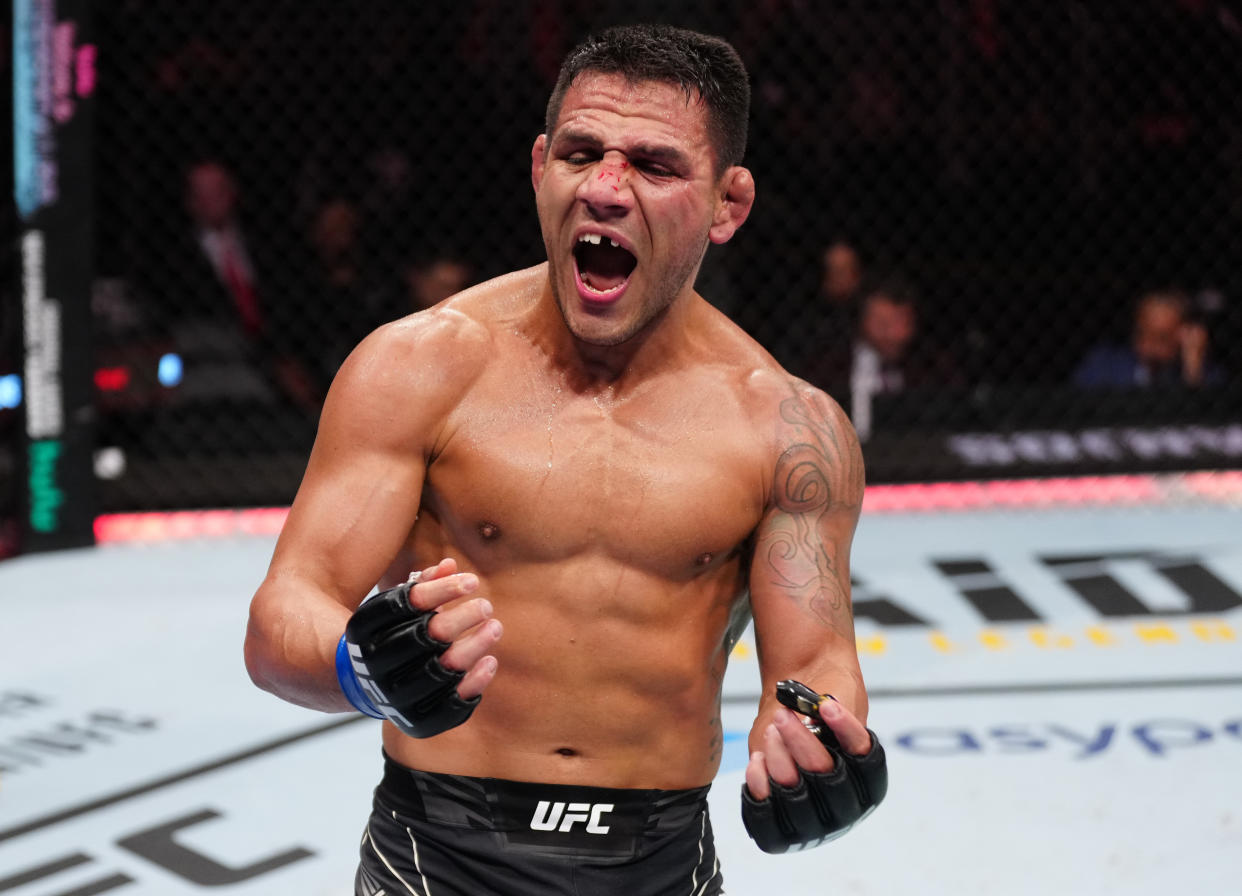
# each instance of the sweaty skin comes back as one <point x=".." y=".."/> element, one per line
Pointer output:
<point x="609" y="478"/>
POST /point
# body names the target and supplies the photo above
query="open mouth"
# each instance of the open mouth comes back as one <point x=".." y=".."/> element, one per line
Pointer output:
<point x="603" y="265"/>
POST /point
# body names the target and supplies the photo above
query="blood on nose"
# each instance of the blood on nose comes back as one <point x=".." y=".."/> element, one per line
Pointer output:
<point x="611" y="174"/>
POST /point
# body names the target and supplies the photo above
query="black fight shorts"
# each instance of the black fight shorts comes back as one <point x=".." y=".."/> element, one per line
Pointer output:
<point x="448" y="835"/>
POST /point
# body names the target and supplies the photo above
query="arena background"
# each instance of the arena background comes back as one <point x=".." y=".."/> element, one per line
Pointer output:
<point x="1027" y="171"/>
<point x="1048" y="573"/>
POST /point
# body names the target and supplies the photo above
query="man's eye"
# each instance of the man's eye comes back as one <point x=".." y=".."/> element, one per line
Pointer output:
<point x="579" y="158"/>
<point x="654" y="169"/>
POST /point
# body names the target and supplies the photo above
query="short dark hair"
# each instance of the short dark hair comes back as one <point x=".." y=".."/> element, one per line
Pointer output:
<point x="698" y="63"/>
<point x="892" y="286"/>
<point x="1173" y="296"/>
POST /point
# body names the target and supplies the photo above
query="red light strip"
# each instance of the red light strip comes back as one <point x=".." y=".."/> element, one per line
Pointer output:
<point x="180" y="524"/>
<point x="1030" y="494"/>
<point x="1069" y="491"/>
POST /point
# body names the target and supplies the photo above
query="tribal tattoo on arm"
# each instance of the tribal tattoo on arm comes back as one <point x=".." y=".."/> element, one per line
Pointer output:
<point x="817" y="492"/>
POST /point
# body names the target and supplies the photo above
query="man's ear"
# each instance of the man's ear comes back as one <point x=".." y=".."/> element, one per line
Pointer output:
<point x="537" y="158"/>
<point x="737" y="195"/>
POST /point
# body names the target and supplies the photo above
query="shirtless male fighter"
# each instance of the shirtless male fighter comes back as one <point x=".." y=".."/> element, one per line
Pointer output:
<point x="590" y="454"/>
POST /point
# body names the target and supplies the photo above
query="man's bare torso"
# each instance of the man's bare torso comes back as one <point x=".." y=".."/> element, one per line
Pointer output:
<point x="609" y="527"/>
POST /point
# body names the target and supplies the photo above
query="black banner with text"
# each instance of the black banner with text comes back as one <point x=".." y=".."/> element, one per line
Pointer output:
<point x="53" y="86"/>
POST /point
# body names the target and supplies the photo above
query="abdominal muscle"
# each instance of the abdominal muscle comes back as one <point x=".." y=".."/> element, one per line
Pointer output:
<point x="612" y="691"/>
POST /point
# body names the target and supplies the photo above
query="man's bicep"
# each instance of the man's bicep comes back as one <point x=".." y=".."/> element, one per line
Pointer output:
<point x="350" y="518"/>
<point x="800" y="572"/>
<point x="800" y="583"/>
<point x="360" y="493"/>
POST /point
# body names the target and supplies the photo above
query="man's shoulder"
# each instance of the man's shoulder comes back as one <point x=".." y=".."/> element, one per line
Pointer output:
<point x="500" y="298"/>
<point x="440" y="336"/>
<point x="424" y="361"/>
<point x="789" y="413"/>
<point x="723" y="343"/>
<point x="460" y="331"/>
<point x="782" y="410"/>
<point x="764" y="384"/>
<point x="819" y="463"/>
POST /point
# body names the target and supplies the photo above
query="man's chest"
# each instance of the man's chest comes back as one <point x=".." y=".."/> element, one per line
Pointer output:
<point x="668" y="488"/>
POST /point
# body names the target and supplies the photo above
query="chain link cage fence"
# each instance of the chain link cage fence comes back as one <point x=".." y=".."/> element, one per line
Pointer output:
<point x="1013" y="204"/>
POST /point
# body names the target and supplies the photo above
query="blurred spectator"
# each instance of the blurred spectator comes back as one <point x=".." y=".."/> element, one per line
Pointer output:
<point x="825" y="327"/>
<point x="1167" y="347"/>
<point x="212" y="202"/>
<point x="328" y="311"/>
<point x="434" y="276"/>
<point x="389" y="202"/>
<point x="888" y="354"/>
<point x="428" y="277"/>
<point x="336" y="252"/>
<point x="210" y="295"/>
<point x="842" y="274"/>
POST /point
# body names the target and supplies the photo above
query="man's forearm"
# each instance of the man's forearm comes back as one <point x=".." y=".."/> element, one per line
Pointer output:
<point x="290" y="649"/>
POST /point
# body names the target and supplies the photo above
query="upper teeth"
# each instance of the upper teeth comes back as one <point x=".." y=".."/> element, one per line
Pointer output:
<point x="595" y="238"/>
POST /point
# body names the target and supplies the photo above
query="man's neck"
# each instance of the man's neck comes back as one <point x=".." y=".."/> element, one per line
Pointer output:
<point x="589" y="367"/>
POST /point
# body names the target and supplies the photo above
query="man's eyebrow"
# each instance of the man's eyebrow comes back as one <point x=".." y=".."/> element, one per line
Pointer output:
<point x="577" y="138"/>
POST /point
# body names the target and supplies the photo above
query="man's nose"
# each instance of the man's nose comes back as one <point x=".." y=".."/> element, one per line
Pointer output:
<point x="607" y="184"/>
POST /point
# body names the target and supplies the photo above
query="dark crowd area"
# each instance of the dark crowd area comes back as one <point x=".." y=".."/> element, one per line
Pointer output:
<point x="976" y="219"/>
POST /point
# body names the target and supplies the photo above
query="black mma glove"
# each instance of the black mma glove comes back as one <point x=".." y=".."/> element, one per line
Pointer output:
<point x="822" y="805"/>
<point x="389" y="666"/>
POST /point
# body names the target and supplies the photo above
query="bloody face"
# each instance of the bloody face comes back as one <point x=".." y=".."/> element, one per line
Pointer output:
<point x="627" y="191"/>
